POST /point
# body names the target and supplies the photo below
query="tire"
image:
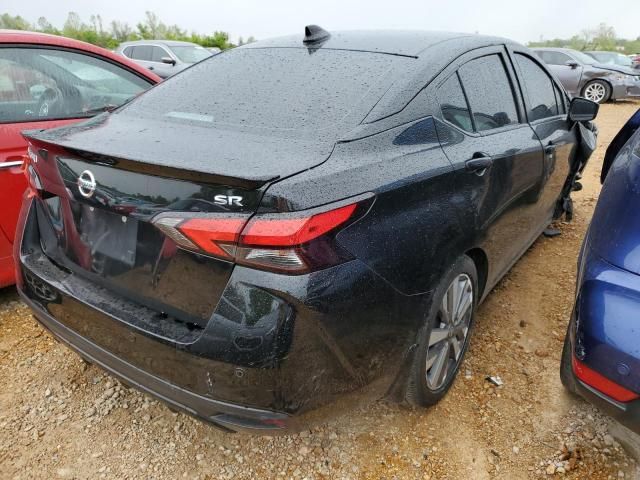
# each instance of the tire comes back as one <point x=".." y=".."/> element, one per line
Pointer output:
<point x="597" y="91"/>
<point x="425" y="387"/>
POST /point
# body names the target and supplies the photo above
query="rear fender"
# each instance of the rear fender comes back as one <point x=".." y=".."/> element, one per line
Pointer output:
<point x="623" y="136"/>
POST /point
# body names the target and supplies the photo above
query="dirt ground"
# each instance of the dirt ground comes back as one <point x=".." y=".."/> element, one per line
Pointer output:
<point x="60" y="418"/>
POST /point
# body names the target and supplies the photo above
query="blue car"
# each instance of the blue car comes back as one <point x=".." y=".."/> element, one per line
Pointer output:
<point x="601" y="356"/>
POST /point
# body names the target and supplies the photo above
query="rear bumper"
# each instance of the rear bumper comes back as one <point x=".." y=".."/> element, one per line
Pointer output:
<point x="7" y="269"/>
<point x="604" y="334"/>
<point x="628" y="414"/>
<point x="624" y="90"/>
<point x="7" y="272"/>
<point x="225" y="415"/>
<point x="276" y="354"/>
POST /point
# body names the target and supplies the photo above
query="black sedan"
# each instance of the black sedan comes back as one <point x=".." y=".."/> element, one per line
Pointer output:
<point x="298" y="219"/>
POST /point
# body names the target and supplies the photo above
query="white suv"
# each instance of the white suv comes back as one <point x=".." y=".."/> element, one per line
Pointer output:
<point x="164" y="57"/>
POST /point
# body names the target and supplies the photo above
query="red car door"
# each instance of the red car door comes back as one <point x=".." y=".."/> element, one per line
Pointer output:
<point x="45" y="87"/>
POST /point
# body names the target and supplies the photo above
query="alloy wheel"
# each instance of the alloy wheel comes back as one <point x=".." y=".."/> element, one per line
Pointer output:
<point x="449" y="334"/>
<point x="595" y="92"/>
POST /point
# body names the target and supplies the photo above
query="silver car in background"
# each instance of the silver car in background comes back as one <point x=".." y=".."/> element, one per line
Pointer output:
<point x="582" y="75"/>
<point x="164" y="57"/>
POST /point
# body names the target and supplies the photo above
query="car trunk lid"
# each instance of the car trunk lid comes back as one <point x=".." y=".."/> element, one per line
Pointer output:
<point x="99" y="206"/>
<point x="188" y="147"/>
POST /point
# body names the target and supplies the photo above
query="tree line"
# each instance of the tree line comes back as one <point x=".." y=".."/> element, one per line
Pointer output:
<point x="603" y="37"/>
<point x="116" y="32"/>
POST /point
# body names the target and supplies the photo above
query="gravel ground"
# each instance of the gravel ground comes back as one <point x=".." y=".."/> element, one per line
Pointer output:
<point x="61" y="418"/>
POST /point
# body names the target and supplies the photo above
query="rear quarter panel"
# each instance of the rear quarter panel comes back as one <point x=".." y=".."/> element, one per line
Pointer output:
<point x="412" y="231"/>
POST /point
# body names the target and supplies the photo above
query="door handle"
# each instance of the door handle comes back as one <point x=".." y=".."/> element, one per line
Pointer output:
<point x="15" y="161"/>
<point x="151" y="68"/>
<point x="479" y="163"/>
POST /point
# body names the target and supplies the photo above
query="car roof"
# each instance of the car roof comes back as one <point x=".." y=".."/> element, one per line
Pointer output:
<point x="395" y="42"/>
<point x="37" y="38"/>
<point x="167" y="43"/>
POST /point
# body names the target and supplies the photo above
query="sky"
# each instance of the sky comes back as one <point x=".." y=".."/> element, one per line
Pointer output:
<point x="516" y="19"/>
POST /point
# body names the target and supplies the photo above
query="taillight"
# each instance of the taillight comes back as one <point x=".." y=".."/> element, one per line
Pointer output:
<point x="279" y="230"/>
<point x="296" y="242"/>
<point x="33" y="180"/>
<point x="602" y="383"/>
<point x="216" y="236"/>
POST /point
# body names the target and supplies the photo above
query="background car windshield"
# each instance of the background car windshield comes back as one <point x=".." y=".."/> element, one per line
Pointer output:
<point x="613" y="58"/>
<point x="190" y="54"/>
<point x="279" y="88"/>
<point x="583" y="58"/>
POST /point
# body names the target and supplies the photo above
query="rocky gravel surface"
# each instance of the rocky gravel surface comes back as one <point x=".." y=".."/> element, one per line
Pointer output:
<point x="63" y="418"/>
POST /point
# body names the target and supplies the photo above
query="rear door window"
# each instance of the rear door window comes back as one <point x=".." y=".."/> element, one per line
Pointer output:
<point x="142" y="52"/>
<point x="489" y="92"/>
<point x="539" y="89"/>
<point x="453" y="104"/>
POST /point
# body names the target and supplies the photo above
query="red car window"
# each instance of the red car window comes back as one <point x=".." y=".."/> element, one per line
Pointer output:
<point x="39" y="84"/>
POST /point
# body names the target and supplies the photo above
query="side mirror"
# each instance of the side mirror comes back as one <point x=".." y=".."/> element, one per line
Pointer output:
<point x="168" y="60"/>
<point x="583" y="110"/>
<point x="571" y="63"/>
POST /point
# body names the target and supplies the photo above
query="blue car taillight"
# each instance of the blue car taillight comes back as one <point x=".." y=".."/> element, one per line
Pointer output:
<point x="602" y="383"/>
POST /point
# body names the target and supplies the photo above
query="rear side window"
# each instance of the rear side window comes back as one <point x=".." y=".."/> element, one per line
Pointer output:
<point x="453" y="104"/>
<point x="539" y="88"/>
<point x="276" y="88"/>
<point x="142" y="52"/>
<point x="489" y="92"/>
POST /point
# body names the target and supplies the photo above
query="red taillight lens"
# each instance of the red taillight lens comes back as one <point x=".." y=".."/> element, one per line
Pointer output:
<point x="290" y="242"/>
<point x="277" y="231"/>
<point x="214" y="235"/>
<point x="602" y="383"/>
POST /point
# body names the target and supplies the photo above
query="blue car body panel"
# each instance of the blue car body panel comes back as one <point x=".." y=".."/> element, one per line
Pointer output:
<point x="605" y="329"/>
<point x="608" y="328"/>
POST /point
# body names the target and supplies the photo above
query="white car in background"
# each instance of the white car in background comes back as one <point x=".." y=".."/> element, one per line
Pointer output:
<point x="163" y="57"/>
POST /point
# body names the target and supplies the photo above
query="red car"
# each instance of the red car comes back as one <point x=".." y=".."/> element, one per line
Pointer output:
<point x="49" y="81"/>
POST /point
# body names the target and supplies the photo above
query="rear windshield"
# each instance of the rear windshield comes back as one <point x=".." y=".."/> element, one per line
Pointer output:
<point x="276" y="88"/>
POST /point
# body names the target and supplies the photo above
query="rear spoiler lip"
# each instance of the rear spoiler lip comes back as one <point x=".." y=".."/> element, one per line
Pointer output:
<point x="150" y="168"/>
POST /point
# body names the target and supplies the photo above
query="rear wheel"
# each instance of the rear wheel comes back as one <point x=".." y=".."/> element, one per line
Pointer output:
<point x="444" y="338"/>
<point x="597" y="91"/>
